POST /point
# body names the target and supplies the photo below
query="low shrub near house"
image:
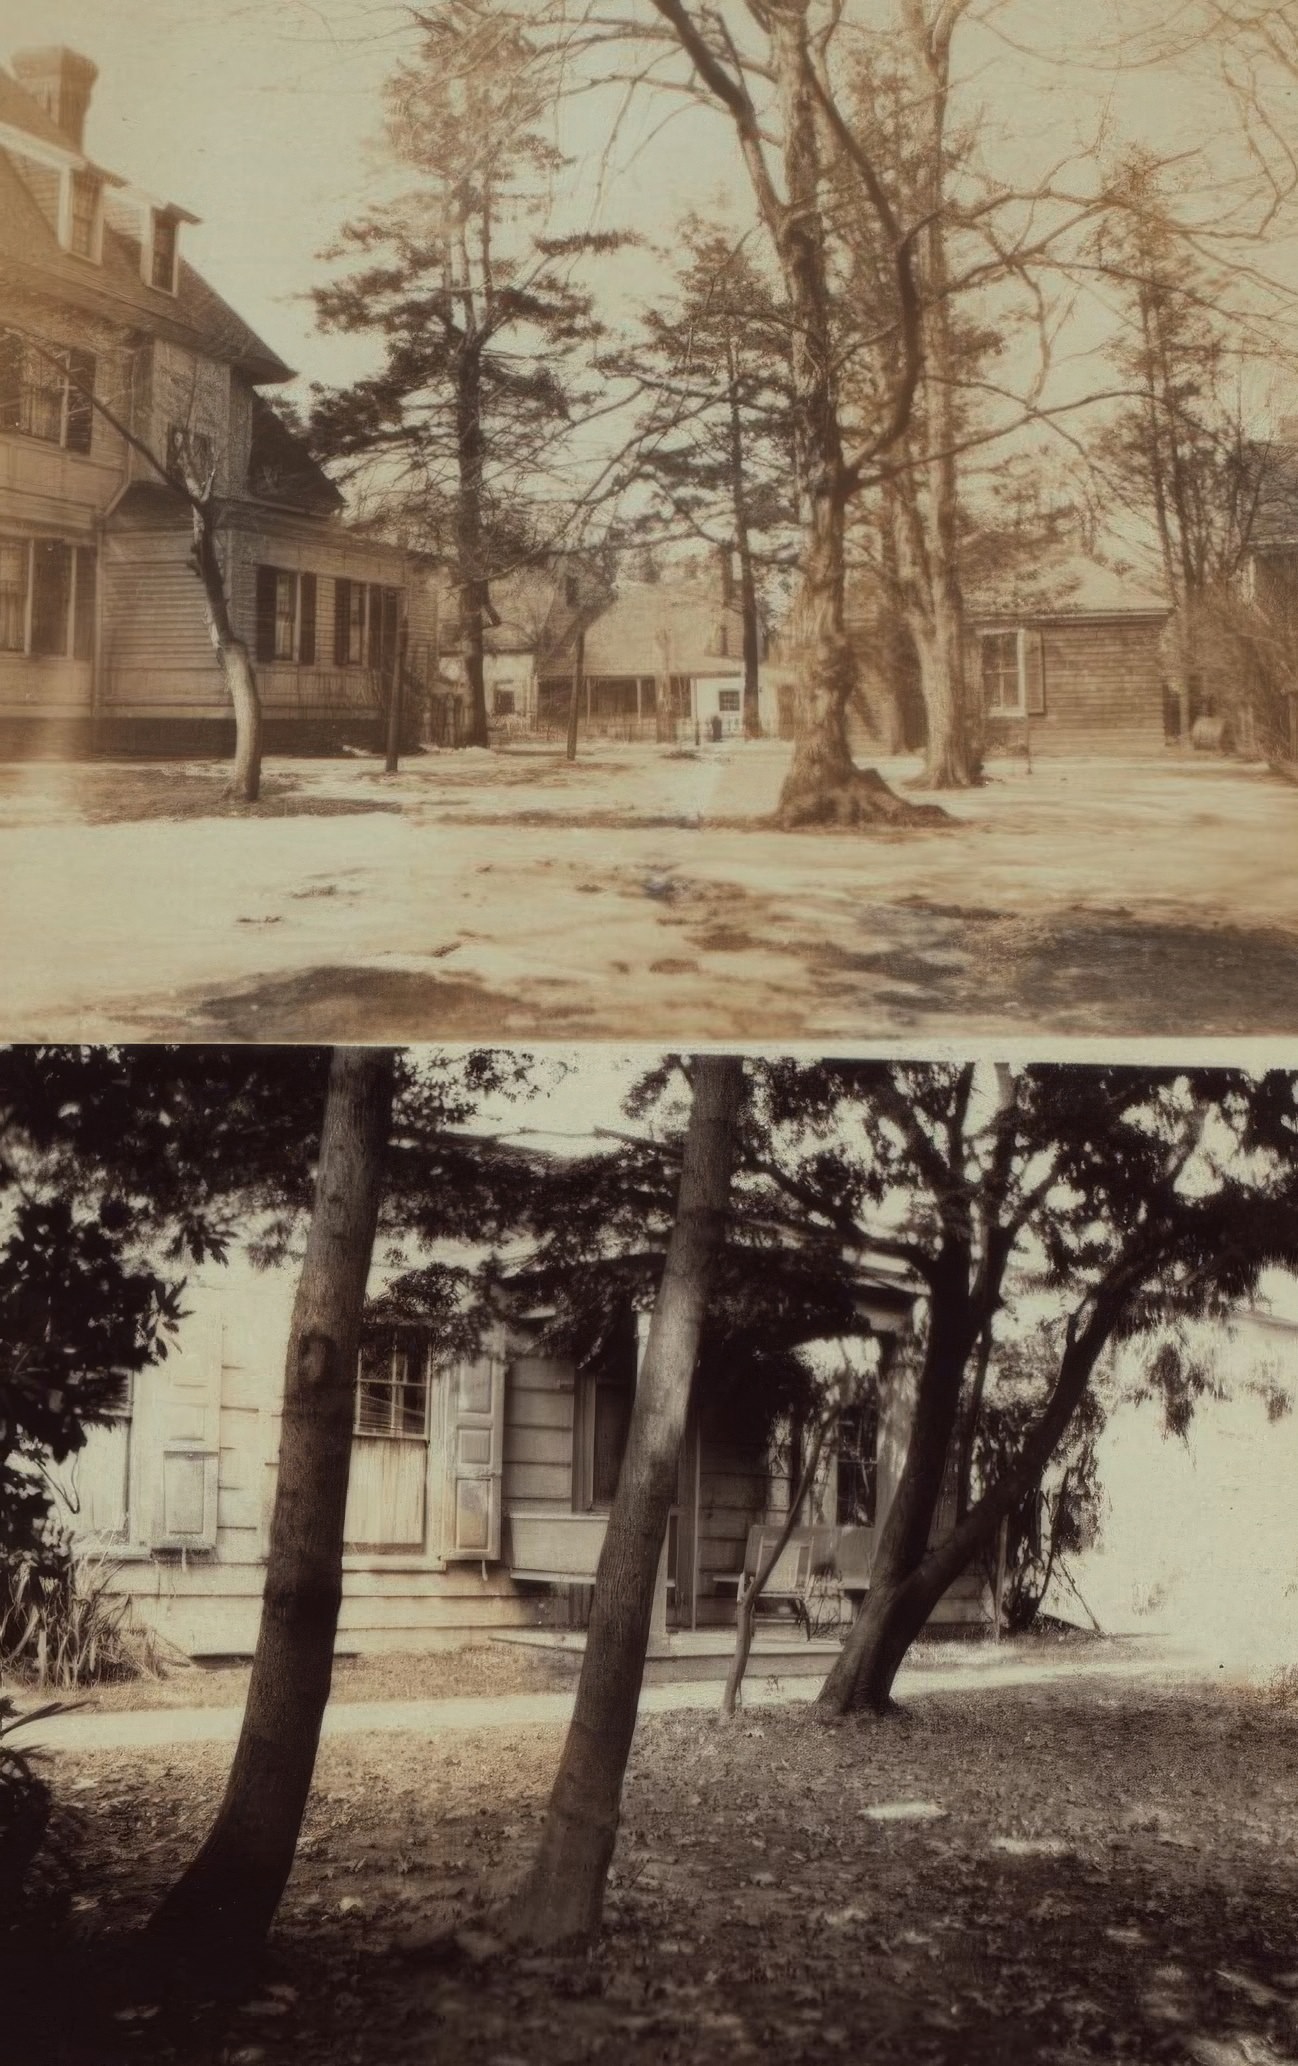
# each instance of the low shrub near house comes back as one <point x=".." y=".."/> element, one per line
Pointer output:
<point x="60" y="1625"/>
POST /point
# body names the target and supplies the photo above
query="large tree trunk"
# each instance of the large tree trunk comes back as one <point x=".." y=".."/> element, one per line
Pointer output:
<point x="232" y="653"/>
<point x="908" y="1579"/>
<point x="470" y="452"/>
<point x="562" y="1900"/>
<point x="863" y="1672"/>
<point x="947" y="758"/>
<point x="823" y="785"/>
<point x="221" y="1908"/>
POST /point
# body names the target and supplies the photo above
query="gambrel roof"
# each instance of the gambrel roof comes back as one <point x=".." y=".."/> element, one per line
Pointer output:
<point x="112" y="287"/>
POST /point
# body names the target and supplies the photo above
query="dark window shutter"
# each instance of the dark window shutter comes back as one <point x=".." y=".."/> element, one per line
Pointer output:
<point x="83" y="608"/>
<point x="342" y="615"/>
<point x="1034" y="673"/>
<point x="265" y="647"/>
<point x="81" y="413"/>
<point x="391" y="628"/>
<point x="306" y="622"/>
<point x="11" y="380"/>
<point x="51" y="593"/>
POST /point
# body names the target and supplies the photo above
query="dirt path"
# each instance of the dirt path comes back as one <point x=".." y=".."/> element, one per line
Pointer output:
<point x="154" y="1728"/>
<point x="640" y="894"/>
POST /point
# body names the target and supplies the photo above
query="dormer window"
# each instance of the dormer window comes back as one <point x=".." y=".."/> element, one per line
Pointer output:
<point x="85" y="216"/>
<point x="162" y="252"/>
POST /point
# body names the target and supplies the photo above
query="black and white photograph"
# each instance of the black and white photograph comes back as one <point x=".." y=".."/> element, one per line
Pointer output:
<point x="648" y="1032"/>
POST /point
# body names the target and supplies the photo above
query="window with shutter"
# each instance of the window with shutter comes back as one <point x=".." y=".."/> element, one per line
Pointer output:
<point x="51" y="596"/>
<point x="342" y="612"/>
<point x="11" y="381"/>
<point x="83" y="606"/>
<point x="15" y="563"/>
<point x="1002" y="680"/>
<point x="306" y="627"/>
<point x="267" y="594"/>
<point x="1034" y="673"/>
<point x="475" y="1425"/>
<point x="285" y="614"/>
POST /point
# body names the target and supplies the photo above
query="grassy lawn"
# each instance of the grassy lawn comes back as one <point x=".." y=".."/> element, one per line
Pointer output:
<point x="641" y="893"/>
<point x="1063" y="1873"/>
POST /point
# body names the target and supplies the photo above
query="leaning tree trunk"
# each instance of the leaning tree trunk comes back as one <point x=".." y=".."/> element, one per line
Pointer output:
<point x="221" y="1908"/>
<point x="867" y="1664"/>
<point x="232" y="653"/>
<point x="562" y="1899"/>
<point x="908" y="1580"/>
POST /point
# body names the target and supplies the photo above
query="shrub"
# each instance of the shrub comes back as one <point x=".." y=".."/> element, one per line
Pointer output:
<point x="24" y="1802"/>
<point x="61" y="1625"/>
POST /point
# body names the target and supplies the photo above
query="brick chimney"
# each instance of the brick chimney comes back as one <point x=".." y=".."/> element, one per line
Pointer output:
<point x="62" y="82"/>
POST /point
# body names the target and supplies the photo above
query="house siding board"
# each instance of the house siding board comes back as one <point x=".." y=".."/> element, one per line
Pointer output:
<point x="1103" y="689"/>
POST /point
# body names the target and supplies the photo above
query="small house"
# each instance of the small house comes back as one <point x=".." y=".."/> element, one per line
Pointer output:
<point x="479" y="1490"/>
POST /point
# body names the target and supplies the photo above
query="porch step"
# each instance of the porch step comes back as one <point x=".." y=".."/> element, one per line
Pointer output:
<point x="698" y="1654"/>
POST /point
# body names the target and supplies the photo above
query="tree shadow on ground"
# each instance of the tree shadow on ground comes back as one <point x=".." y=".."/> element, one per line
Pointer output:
<point x="1111" y="1875"/>
<point x="1075" y="974"/>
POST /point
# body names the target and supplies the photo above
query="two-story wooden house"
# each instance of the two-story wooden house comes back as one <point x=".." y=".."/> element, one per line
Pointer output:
<point x="105" y="328"/>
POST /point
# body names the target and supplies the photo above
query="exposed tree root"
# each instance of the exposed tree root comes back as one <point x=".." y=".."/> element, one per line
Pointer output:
<point x="857" y="801"/>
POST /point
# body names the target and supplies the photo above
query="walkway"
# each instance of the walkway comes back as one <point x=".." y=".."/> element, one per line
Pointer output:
<point x="162" y="1727"/>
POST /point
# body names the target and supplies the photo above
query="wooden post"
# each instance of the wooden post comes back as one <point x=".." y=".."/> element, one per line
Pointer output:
<point x="392" y="760"/>
<point x="574" y="700"/>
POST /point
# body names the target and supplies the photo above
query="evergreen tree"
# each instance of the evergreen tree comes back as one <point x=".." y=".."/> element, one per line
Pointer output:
<point x="484" y="326"/>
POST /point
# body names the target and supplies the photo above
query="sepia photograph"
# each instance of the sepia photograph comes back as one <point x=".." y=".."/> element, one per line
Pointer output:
<point x="515" y="1555"/>
<point x="545" y="522"/>
<point x="648" y="1032"/>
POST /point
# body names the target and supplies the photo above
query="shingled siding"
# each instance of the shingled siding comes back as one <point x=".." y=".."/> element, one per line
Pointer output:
<point x="1103" y="690"/>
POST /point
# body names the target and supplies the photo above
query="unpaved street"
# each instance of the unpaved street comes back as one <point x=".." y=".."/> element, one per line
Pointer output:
<point x="641" y="895"/>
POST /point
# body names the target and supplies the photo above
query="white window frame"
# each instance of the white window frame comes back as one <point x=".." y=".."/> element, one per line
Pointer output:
<point x="70" y="620"/>
<point x="95" y="254"/>
<point x="157" y="215"/>
<point x="1018" y="708"/>
<point x="417" y="1353"/>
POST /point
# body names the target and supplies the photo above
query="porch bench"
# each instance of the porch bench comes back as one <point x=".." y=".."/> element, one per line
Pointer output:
<point x="820" y="1565"/>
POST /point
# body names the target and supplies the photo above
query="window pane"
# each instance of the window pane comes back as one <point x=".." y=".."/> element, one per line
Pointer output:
<point x="355" y="623"/>
<point x="51" y="595"/>
<point x="13" y="594"/>
<point x="85" y="199"/>
<point x="41" y="414"/>
<point x="164" y="252"/>
<point x="285" y="614"/>
<point x="392" y="1388"/>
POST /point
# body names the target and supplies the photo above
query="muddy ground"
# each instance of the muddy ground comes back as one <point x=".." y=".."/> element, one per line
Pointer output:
<point x="1063" y="1873"/>
<point x="643" y="894"/>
